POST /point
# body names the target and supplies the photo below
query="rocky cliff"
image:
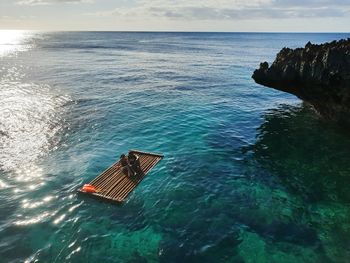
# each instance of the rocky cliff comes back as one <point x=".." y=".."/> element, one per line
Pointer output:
<point x="317" y="74"/>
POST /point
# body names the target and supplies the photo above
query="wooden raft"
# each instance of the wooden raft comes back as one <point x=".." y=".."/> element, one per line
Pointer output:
<point x="113" y="185"/>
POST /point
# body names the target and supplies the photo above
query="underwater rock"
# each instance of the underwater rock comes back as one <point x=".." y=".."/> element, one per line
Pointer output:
<point x="317" y="74"/>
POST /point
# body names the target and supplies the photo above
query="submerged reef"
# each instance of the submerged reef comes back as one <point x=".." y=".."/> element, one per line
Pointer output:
<point x="317" y="74"/>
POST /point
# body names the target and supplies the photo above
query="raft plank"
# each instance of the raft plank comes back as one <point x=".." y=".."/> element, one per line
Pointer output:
<point x="114" y="186"/>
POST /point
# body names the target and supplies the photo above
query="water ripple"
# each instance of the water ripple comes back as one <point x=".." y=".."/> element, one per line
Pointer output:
<point x="29" y="122"/>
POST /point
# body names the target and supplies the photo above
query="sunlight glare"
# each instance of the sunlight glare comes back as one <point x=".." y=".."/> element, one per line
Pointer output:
<point x="12" y="41"/>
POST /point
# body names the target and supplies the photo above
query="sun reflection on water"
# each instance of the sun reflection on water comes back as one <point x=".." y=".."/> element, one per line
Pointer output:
<point x="32" y="116"/>
<point x="29" y="204"/>
<point x="3" y="185"/>
<point x="33" y="220"/>
<point x="12" y="41"/>
<point x="32" y="121"/>
<point x="28" y="125"/>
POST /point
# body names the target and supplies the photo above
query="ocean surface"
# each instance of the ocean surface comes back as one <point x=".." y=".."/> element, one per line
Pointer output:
<point x="250" y="174"/>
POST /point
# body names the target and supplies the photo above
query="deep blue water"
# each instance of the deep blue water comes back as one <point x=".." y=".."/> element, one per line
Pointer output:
<point x="250" y="174"/>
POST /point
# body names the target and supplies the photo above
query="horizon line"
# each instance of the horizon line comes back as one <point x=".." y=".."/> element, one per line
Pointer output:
<point x="176" y="31"/>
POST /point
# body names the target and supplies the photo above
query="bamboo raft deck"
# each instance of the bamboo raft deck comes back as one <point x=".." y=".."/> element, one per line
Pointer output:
<point x="114" y="185"/>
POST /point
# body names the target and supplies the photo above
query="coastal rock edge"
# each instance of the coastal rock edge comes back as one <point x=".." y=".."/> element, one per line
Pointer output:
<point x="317" y="74"/>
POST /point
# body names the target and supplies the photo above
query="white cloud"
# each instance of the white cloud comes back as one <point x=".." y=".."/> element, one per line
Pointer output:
<point x="231" y="9"/>
<point x="17" y="18"/>
<point x="48" y="2"/>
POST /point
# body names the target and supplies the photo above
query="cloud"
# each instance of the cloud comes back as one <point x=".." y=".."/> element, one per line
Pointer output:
<point x="205" y="13"/>
<point x="232" y="9"/>
<point x="312" y="3"/>
<point x="17" y="18"/>
<point x="48" y="2"/>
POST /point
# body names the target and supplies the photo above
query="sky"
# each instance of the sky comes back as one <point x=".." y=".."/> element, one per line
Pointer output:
<point x="177" y="15"/>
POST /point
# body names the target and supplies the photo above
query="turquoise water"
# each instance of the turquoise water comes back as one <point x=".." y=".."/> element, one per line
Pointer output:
<point x="249" y="175"/>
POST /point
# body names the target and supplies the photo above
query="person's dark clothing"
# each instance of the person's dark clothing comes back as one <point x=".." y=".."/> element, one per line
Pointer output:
<point x="124" y="161"/>
<point x="126" y="167"/>
<point x="134" y="161"/>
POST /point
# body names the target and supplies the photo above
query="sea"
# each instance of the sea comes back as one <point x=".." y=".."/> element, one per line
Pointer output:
<point x="249" y="174"/>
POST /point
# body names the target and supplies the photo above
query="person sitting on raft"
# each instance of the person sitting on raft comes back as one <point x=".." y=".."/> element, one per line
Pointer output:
<point x="126" y="167"/>
<point x="134" y="161"/>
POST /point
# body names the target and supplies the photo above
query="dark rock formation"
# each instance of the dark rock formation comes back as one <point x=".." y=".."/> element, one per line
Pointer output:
<point x="317" y="74"/>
